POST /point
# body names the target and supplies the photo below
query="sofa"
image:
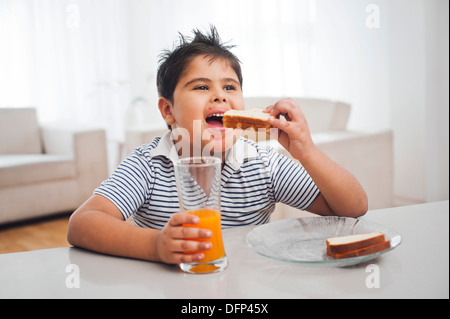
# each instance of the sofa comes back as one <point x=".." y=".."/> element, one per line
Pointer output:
<point x="368" y="156"/>
<point x="46" y="169"/>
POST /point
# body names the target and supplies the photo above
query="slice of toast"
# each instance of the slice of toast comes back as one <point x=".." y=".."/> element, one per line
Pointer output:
<point x="245" y="119"/>
<point x="361" y="252"/>
<point x="356" y="245"/>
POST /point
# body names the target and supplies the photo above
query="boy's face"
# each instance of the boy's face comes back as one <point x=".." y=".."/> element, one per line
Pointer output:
<point x="207" y="88"/>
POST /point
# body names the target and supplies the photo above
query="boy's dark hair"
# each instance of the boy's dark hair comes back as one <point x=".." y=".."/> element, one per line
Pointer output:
<point x="174" y="63"/>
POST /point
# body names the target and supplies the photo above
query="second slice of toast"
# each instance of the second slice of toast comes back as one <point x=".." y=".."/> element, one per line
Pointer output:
<point x="352" y="242"/>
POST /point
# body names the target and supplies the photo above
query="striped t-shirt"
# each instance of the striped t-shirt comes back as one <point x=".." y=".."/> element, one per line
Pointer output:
<point x="254" y="178"/>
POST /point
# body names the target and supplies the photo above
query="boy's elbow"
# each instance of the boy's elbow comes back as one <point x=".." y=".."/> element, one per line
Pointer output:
<point x="360" y="213"/>
<point x="71" y="235"/>
<point x="355" y="209"/>
<point x="73" y="230"/>
<point x="362" y="207"/>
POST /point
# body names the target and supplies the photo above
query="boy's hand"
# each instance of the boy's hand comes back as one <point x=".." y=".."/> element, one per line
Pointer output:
<point x="172" y="242"/>
<point x="293" y="133"/>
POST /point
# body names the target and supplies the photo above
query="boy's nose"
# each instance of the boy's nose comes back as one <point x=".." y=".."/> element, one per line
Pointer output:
<point x="217" y="96"/>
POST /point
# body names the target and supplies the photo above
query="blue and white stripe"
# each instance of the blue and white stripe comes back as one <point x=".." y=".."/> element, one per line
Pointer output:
<point x="143" y="186"/>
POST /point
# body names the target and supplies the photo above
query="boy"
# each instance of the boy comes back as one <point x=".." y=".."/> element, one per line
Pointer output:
<point x="198" y="82"/>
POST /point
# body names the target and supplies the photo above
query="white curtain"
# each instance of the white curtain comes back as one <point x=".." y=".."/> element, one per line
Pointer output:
<point x="76" y="60"/>
<point x="272" y="37"/>
<point x="66" y="58"/>
<point x="327" y="49"/>
<point x="87" y="60"/>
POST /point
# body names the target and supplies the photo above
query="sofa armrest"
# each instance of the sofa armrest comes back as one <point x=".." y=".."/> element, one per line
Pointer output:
<point x="368" y="156"/>
<point x="87" y="146"/>
<point x="59" y="139"/>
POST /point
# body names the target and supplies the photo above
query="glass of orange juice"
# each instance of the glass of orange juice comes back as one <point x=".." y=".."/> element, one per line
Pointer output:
<point x="198" y="185"/>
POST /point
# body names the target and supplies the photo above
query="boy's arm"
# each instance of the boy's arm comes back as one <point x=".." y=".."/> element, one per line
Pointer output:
<point x="98" y="225"/>
<point x="340" y="193"/>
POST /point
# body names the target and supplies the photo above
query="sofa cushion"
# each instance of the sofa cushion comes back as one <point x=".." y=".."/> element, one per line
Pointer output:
<point x="34" y="168"/>
<point x="19" y="131"/>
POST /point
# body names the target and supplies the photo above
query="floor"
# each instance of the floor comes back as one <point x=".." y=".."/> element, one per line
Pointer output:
<point x="37" y="234"/>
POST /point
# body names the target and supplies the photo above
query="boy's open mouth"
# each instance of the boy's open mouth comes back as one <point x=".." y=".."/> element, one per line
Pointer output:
<point x="215" y="120"/>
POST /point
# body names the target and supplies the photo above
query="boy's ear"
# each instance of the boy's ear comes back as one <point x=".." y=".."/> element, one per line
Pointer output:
<point x="165" y="107"/>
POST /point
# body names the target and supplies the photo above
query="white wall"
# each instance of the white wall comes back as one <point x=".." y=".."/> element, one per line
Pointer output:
<point x="418" y="58"/>
<point x="437" y="100"/>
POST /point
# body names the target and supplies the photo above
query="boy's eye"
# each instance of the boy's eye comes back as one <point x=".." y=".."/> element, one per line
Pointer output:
<point x="201" y="87"/>
<point x="229" y="88"/>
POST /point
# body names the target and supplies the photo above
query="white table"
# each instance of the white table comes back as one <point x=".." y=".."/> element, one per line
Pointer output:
<point x="418" y="268"/>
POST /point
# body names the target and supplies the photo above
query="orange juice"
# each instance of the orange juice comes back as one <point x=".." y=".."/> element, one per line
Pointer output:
<point x="209" y="219"/>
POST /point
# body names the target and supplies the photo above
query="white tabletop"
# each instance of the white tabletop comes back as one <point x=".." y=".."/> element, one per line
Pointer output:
<point x="418" y="268"/>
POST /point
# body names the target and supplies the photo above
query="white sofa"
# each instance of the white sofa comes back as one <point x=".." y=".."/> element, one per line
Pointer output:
<point x="368" y="156"/>
<point x="46" y="169"/>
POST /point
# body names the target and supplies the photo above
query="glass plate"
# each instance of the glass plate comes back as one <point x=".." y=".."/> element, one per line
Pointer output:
<point x="303" y="240"/>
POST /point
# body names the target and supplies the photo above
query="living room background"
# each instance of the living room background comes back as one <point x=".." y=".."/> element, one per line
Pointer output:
<point x="94" y="62"/>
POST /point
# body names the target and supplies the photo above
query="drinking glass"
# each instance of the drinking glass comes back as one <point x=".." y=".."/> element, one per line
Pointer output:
<point x="198" y="185"/>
